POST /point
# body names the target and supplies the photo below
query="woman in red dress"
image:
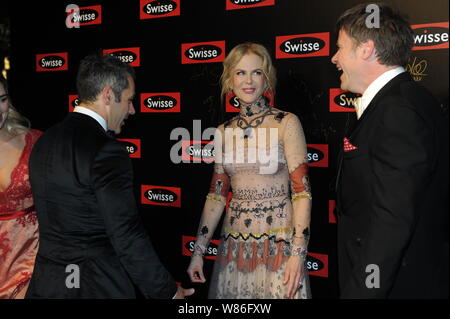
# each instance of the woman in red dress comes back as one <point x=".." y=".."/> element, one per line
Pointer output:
<point x="18" y="222"/>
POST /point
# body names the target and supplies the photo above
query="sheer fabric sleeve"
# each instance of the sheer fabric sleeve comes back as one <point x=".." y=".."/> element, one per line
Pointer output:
<point x="297" y="161"/>
<point x="215" y="200"/>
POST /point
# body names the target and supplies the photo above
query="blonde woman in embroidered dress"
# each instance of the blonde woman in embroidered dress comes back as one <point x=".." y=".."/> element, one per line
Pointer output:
<point x="261" y="156"/>
<point x="18" y="222"/>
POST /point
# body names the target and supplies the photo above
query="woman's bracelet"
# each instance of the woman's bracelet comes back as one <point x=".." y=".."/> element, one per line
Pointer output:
<point x="302" y="195"/>
<point x="299" y="251"/>
<point x="199" y="250"/>
<point x="215" y="199"/>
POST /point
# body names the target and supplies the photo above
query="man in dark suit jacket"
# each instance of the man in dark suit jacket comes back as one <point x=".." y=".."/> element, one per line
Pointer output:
<point x="92" y="241"/>
<point x="392" y="184"/>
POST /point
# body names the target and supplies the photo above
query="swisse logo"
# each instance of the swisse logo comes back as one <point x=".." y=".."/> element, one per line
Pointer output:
<point x="74" y="101"/>
<point x="303" y="45"/>
<point x="159" y="8"/>
<point x="52" y="62"/>
<point x="244" y="4"/>
<point x="331" y="215"/>
<point x="430" y="36"/>
<point x="160" y="102"/>
<point x="133" y="146"/>
<point x="232" y="104"/>
<point x="342" y="101"/>
<point x="161" y="195"/>
<point x="317" y="155"/>
<point x="188" y="247"/>
<point x="206" y="52"/>
<point x="198" y="151"/>
<point x="317" y="264"/>
<point x="130" y="56"/>
<point x="87" y="15"/>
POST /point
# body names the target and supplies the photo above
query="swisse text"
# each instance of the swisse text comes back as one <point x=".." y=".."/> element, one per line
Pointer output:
<point x="131" y="148"/>
<point x="160" y="102"/>
<point x="313" y="265"/>
<point x="345" y="101"/>
<point x="203" y="52"/>
<point x="314" y="156"/>
<point x="76" y="102"/>
<point x="160" y="7"/>
<point x="235" y="102"/>
<point x="429" y="37"/>
<point x="126" y="58"/>
<point x="161" y="196"/>
<point x="211" y="251"/>
<point x="51" y="62"/>
<point x="302" y="45"/>
<point x="86" y="15"/>
<point x="197" y="151"/>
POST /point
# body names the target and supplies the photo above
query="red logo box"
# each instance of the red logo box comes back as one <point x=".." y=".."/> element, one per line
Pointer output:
<point x="188" y="247"/>
<point x="203" y="52"/>
<point x="430" y="36"/>
<point x="52" y="62"/>
<point x="245" y="4"/>
<point x="161" y="195"/>
<point x="318" y="155"/>
<point x="161" y="102"/>
<point x="342" y="101"/>
<point x="302" y="45"/>
<point x="131" y="56"/>
<point x="151" y="9"/>
<point x="133" y="146"/>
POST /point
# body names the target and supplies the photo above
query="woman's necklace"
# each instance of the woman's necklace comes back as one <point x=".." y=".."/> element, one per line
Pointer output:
<point x="249" y="110"/>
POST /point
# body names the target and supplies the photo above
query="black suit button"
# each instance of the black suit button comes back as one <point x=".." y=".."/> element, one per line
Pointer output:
<point x="358" y="241"/>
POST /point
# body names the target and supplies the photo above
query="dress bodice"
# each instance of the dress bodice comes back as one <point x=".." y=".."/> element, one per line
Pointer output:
<point x="18" y="196"/>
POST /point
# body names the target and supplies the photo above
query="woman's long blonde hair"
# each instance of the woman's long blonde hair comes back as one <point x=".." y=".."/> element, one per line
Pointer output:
<point x="15" y="123"/>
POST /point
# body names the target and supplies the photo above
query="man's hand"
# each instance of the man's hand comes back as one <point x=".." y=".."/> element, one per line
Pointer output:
<point x="181" y="292"/>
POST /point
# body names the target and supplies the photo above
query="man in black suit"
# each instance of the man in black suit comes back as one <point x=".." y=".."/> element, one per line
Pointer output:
<point x="392" y="183"/>
<point x="92" y="241"/>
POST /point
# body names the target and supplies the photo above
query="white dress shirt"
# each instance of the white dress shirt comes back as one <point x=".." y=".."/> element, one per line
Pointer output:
<point x="94" y="115"/>
<point x="363" y="102"/>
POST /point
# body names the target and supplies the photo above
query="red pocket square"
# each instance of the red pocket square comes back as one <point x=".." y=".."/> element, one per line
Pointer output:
<point x="348" y="146"/>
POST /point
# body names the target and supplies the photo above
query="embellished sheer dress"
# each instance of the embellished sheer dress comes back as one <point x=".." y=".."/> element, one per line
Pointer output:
<point x="265" y="167"/>
<point x="18" y="227"/>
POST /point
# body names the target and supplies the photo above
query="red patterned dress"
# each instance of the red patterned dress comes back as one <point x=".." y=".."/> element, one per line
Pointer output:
<point x="18" y="227"/>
